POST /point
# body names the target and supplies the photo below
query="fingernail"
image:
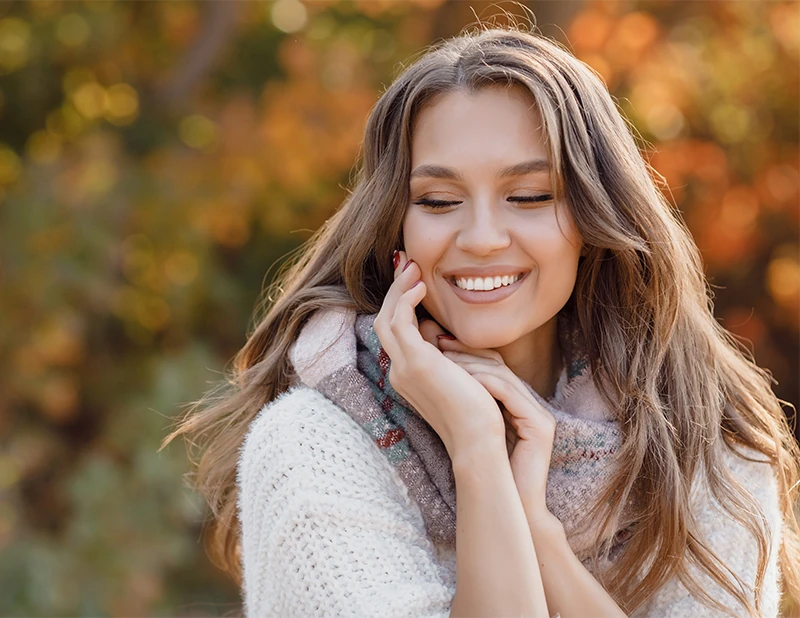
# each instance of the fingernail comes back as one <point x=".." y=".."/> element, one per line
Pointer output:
<point x="406" y="266"/>
<point x="396" y="258"/>
<point x="450" y="337"/>
<point x="416" y="284"/>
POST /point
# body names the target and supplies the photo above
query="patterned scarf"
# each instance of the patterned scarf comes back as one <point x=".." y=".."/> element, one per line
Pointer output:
<point x="339" y="354"/>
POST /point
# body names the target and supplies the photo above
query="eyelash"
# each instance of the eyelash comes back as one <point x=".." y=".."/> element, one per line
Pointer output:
<point x="444" y="204"/>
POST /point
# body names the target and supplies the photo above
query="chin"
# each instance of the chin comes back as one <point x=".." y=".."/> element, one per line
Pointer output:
<point x="481" y="333"/>
<point x="484" y="343"/>
<point x="484" y="340"/>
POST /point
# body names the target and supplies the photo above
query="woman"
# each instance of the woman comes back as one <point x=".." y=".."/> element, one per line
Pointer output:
<point x="504" y="308"/>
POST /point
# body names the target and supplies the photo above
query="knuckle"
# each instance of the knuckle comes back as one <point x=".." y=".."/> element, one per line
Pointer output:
<point x="502" y="385"/>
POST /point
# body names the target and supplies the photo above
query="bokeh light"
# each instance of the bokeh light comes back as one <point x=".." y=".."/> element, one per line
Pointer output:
<point x="158" y="160"/>
<point x="288" y="15"/>
<point x="197" y="131"/>
<point x="15" y="41"/>
<point x="72" y="30"/>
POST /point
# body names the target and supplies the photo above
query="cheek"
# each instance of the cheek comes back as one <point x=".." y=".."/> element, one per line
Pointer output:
<point x="568" y="229"/>
<point x="411" y="231"/>
<point x="554" y="240"/>
<point x="545" y="243"/>
<point x="559" y="266"/>
<point x="423" y="241"/>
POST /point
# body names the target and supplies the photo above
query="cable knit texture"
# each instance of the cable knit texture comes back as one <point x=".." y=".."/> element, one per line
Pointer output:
<point x="329" y="527"/>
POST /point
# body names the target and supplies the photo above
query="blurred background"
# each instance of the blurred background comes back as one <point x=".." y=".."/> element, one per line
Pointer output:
<point x="157" y="159"/>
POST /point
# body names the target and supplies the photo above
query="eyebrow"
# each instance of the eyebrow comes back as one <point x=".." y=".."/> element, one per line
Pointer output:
<point x="520" y="169"/>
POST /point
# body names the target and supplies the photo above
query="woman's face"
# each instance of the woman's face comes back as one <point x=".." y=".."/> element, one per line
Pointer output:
<point x="484" y="156"/>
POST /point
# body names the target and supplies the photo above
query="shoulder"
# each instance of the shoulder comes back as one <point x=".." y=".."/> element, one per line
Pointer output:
<point x="750" y="469"/>
<point x="730" y="540"/>
<point x="327" y="525"/>
<point x="725" y="534"/>
<point x="302" y="437"/>
<point x="290" y="424"/>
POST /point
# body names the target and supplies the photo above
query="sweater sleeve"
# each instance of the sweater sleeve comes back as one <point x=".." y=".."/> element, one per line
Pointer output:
<point x="328" y="527"/>
<point x="733" y="544"/>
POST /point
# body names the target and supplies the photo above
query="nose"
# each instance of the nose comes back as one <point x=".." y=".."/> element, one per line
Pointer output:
<point x="483" y="232"/>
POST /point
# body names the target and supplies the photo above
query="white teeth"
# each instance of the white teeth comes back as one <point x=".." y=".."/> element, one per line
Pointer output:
<point x="486" y="283"/>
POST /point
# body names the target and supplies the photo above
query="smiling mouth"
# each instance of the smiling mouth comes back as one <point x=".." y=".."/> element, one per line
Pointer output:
<point x="485" y="284"/>
<point x="494" y="295"/>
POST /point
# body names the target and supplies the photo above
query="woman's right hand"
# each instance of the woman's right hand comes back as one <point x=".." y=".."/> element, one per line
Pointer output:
<point x="458" y="407"/>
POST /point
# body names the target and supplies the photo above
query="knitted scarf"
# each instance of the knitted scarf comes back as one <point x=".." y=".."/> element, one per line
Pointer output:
<point x="339" y="354"/>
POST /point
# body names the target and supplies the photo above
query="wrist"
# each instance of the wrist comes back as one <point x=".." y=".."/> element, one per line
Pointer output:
<point x="467" y="454"/>
<point x="541" y="521"/>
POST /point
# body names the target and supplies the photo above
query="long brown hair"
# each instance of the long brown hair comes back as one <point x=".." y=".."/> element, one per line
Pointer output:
<point x="687" y="391"/>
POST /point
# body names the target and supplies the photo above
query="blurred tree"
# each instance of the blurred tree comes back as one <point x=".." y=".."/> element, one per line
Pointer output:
<point x="157" y="160"/>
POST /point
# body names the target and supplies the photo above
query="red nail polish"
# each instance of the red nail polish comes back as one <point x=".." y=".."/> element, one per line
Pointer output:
<point x="416" y="284"/>
<point x="395" y="258"/>
<point x="450" y="337"/>
<point x="407" y="265"/>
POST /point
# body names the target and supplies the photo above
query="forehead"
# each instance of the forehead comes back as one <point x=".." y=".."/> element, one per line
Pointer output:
<point x="496" y="123"/>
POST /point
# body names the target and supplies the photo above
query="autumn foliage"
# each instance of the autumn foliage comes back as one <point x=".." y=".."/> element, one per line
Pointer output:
<point x="157" y="160"/>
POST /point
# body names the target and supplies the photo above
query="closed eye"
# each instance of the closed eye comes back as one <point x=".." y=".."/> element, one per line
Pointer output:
<point x="546" y="197"/>
<point x="434" y="203"/>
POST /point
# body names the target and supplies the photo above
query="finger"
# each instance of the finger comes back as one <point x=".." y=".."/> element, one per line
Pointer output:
<point x="527" y="412"/>
<point x="401" y="264"/>
<point x="468" y="357"/>
<point x="405" y="275"/>
<point x="518" y="406"/>
<point x="458" y="346"/>
<point x="382" y="324"/>
<point x="404" y="324"/>
<point x="510" y="441"/>
<point x="510" y="423"/>
<point x="429" y="329"/>
<point x="507" y="416"/>
<point x="473" y="363"/>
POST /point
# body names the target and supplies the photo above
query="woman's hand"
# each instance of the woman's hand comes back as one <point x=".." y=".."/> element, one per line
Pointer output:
<point x="530" y="428"/>
<point x="454" y="403"/>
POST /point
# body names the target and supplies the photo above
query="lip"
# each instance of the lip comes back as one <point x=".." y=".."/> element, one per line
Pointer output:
<point x="481" y="298"/>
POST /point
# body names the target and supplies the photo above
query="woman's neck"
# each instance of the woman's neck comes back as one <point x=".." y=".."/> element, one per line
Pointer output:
<point x="536" y="358"/>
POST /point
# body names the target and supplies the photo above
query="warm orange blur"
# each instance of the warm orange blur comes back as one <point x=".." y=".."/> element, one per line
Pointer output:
<point x="157" y="159"/>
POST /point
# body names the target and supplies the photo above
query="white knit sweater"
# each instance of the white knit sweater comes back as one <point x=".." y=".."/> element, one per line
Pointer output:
<point x="329" y="529"/>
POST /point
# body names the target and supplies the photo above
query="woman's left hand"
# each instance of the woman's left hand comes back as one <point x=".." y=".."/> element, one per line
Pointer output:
<point x="530" y="426"/>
